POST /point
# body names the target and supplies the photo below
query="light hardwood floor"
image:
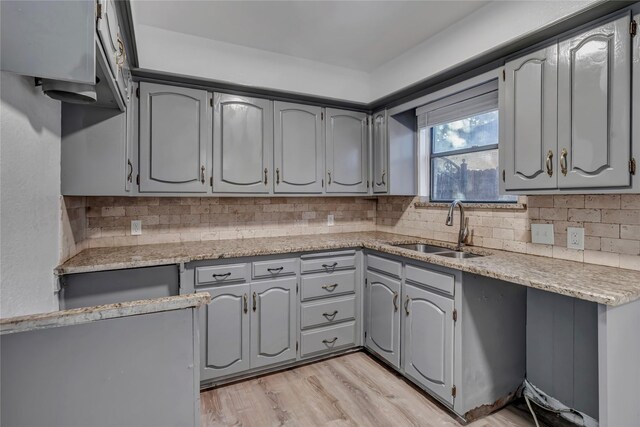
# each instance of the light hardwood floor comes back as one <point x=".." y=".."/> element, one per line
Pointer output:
<point x="350" y="390"/>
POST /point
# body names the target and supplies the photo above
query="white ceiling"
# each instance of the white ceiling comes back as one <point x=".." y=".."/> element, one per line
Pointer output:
<point x="361" y="35"/>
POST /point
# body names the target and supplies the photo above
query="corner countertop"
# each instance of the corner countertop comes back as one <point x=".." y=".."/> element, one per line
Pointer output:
<point x="604" y="285"/>
<point x="78" y="316"/>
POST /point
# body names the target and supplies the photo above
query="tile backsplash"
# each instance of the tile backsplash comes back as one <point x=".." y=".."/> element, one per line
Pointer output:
<point x="611" y="222"/>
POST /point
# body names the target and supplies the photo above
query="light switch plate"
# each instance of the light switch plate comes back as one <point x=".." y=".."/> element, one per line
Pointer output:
<point x="136" y="227"/>
<point x="575" y="238"/>
<point x="330" y="221"/>
<point x="542" y="234"/>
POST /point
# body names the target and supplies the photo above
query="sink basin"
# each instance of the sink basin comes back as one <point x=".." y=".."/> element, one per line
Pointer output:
<point x="421" y="247"/>
<point x="458" y="255"/>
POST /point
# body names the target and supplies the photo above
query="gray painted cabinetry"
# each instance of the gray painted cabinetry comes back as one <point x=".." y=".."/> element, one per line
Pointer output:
<point x="380" y="161"/>
<point x="383" y="316"/>
<point x="346" y="151"/>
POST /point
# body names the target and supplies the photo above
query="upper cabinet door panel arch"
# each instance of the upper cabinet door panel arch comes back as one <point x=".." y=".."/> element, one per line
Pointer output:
<point x="242" y="144"/>
<point x="298" y="148"/>
<point x="595" y="107"/>
<point x="530" y="114"/>
<point x="346" y="151"/>
<point x="174" y="139"/>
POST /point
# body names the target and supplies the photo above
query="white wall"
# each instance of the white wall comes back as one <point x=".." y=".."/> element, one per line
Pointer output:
<point x="29" y="196"/>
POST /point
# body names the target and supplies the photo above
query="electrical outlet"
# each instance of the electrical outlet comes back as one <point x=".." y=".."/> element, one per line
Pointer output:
<point x="330" y="221"/>
<point x="542" y="234"/>
<point x="575" y="238"/>
<point x="136" y="227"/>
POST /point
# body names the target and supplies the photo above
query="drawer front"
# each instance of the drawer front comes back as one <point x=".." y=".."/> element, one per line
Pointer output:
<point x="328" y="284"/>
<point x="221" y="274"/>
<point x="434" y="279"/>
<point x="275" y="268"/>
<point x="326" y="312"/>
<point x="384" y="265"/>
<point x="325" y="340"/>
<point x="328" y="265"/>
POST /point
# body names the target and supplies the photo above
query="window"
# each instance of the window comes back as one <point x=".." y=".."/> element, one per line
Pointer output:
<point x="460" y="134"/>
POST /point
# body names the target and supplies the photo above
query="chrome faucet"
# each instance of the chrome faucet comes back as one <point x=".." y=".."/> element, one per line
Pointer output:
<point x="464" y="223"/>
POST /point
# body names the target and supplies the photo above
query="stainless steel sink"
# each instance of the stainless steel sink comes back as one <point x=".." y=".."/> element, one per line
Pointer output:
<point x="421" y="247"/>
<point x="458" y="255"/>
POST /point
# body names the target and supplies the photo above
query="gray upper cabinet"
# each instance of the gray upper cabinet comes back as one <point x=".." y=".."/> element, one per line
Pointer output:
<point x="380" y="152"/>
<point x="594" y="107"/>
<point x="346" y="151"/>
<point x="531" y="121"/>
<point x="382" y="323"/>
<point x="428" y="340"/>
<point x="242" y="144"/>
<point x="224" y="324"/>
<point x="175" y="141"/>
<point x="298" y="148"/>
<point x="273" y="322"/>
<point x="109" y="33"/>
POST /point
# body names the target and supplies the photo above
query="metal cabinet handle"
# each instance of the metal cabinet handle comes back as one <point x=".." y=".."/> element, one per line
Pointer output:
<point x="202" y="168"/>
<point x="130" y="175"/>
<point x="266" y="171"/>
<point x="406" y="305"/>
<point x="395" y="301"/>
<point x="222" y="276"/>
<point x="330" y="288"/>
<point x="549" y="163"/>
<point x="382" y="182"/>
<point x="275" y="270"/>
<point x="277" y="176"/>
<point x="563" y="161"/>
<point x="244" y="298"/>
<point x="329" y="182"/>
<point x="330" y="316"/>
<point x="255" y="302"/>
<point x="332" y="266"/>
<point x="325" y="341"/>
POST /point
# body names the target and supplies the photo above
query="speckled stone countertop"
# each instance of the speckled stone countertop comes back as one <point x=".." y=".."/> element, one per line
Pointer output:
<point x="78" y="316"/>
<point x="605" y="285"/>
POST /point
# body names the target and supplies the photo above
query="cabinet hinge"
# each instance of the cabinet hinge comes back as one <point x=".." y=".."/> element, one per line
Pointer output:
<point x="296" y="288"/>
<point x="454" y="391"/>
<point x="211" y="181"/>
<point x="365" y="334"/>
<point x="455" y="315"/>
<point x="138" y="92"/>
<point x="633" y="28"/>
<point x="321" y="116"/>
<point x="504" y="75"/>
<point x="365" y="282"/>
<point x="296" y="346"/>
<point x="322" y="182"/>
<point x="367" y="183"/>
<point x="138" y="179"/>
<point x="504" y="176"/>
<point x="98" y="10"/>
<point x="211" y="102"/>
<point x="632" y="166"/>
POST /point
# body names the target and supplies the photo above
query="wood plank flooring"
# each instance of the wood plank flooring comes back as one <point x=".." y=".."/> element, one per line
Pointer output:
<point x="350" y="390"/>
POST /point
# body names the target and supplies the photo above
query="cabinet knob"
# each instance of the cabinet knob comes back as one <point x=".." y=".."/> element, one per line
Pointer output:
<point x="563" y="161"/>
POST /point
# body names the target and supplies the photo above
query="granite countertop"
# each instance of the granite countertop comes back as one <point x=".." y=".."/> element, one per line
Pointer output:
<point x="605" y="285"/>
<point x="78" y="316"/>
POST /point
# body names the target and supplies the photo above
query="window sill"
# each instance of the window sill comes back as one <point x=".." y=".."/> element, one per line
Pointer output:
<point x="475" y="206"/>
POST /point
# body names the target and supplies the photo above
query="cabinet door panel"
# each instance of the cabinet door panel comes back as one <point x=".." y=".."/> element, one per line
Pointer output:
<point x="595" y="107"/>
<point x="174" y="139"/>
<point x="273" y="323"/>
<point x="242" y="144"/>
<point x="109" y="33"/>
<point x="383" y="317"/>
<point x="428" y="340"/>
<point x="298" y="148"/>
<point x="380" y="153"/>
<point x="346" y="151"/>
<point x="531" y="95"/>
<point x="224" y="326"/>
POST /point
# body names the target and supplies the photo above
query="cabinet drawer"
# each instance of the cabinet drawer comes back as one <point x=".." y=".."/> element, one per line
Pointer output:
<point x="328" y="284"/>
<point x="325" y="312"/>
<point x="384" y="265"/>
<point x="327" y="339"/>
<point x="328" y="265"/>
<point x="434" y="279"/>
<point x="275" y="268"/>
<point x="222" y="274"/>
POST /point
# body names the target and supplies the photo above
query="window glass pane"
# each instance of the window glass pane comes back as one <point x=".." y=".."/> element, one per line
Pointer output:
<point x="475" y="131"/>
<point x="470" y="176"/>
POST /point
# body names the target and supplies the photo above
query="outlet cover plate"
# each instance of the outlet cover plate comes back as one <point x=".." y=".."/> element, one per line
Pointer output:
<point x="542" y="234"/>
<point x="136" y="227"/>
<point x="575" y="238"/>
<point x="330" y="221"/>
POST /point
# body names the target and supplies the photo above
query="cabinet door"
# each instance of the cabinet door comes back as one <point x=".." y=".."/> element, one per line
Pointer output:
<point x="273" y="322"/>
<point x="346" y="151"/>
<point x="531" y="121"/>
<point x="109" y="33"/>
<point x="298" y="148"/>
<point x="383" y="317"/>
<point x="224" y="331"/>
<point x="594" y="107"/>
<point x="428" y="340"/>
<point x="242" y="144"/>
<point x="380" y="153"/>
<point x="174" y="139"/>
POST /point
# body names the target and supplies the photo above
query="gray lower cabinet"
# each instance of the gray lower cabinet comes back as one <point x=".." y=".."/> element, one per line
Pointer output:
<point x="273" y="322"/>
<point x="175" y="139"/>
<point x="427" y="341"/>
<point x="242" y="144"/>
<point x="298" y="148"/>
<point x="382" y="316"/>
<point x="346" y="151"/>
<point x="380" y="143"/>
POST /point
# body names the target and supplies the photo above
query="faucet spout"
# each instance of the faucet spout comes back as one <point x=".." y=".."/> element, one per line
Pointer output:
<point x="464" y="222"/>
